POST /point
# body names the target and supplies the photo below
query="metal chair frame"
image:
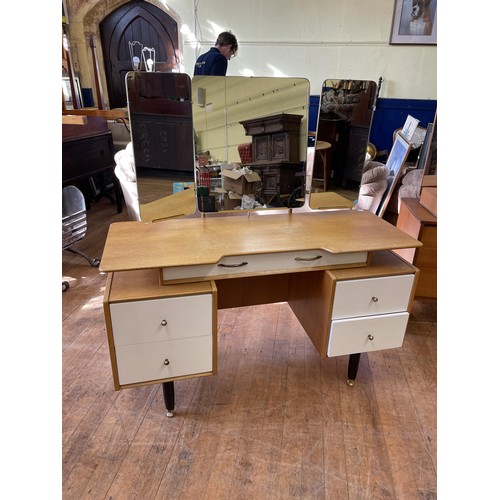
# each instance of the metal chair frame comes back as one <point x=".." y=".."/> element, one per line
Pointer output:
<point x="74" y="224"/>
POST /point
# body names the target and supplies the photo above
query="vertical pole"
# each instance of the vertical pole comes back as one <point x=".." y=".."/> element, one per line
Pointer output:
<point x="97" y="78"/>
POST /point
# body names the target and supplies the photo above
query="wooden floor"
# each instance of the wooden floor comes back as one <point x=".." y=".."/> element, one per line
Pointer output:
<point x="277" y="422"/>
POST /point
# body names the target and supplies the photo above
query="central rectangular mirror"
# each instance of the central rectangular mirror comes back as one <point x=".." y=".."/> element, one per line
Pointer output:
<point x="250" y="141"/>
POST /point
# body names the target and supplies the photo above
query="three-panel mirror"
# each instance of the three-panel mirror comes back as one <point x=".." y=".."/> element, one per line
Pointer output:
<point x="220" y="144"/>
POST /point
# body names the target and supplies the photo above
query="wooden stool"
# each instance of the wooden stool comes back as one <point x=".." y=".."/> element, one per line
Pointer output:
<point x="322" y="148"/>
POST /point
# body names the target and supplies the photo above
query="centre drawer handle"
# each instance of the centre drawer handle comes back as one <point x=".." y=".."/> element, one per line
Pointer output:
<point x="233" y="265"/>
<point x="375" y="299"/>
<point x="163" y="322"/>
<point x="166" y="362"/>
<point x="308" y="259"/>
<point x="370" y="337"/>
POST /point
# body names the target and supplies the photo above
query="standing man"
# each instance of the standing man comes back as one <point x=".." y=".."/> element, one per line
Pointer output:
<point x="214" y="62"/>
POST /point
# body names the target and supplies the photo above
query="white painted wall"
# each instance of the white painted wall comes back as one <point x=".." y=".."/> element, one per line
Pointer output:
<point x="314" y="39"/>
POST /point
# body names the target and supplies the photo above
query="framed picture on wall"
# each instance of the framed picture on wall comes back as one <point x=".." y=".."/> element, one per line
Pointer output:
<point x="414" y="22"/>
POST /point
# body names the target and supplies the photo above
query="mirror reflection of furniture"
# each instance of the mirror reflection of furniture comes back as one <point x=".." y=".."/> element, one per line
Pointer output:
<point x="276" y="158"/>
<point x="373" y="186"/>
<point x="322" y="150"/>
<point x="175" y="205"/>
<point x="344" y="120"/>
<point x="229" y="110"/>
<point x="218" y="106"/>
<point x="161" y="124"/>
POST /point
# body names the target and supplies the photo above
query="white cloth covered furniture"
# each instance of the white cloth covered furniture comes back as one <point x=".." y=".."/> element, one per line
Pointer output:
<point x="125" y="171"/>
<point x="373" y="186"/>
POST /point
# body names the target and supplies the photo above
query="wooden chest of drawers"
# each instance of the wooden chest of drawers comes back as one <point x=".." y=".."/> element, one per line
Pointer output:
<point x="418" y="222"/>
<point x="159" y="333"/>
<point x="84" y="156"/>
<point x="370" y="314"/>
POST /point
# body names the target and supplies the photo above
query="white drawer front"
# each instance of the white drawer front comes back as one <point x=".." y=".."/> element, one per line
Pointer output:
<point x="349" y="336"/>
<point x="146" y="362"/>
<point x="141" y="321"/>
<point x="366" y="297"/>
<point x="262" y="263"/>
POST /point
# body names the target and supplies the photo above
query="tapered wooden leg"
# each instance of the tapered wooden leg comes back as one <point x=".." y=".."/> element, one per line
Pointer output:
<point x="169" y="397"/>
<point x="352" y="368"/>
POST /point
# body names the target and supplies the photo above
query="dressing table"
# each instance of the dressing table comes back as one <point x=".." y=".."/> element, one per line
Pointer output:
<point x="168" y="279"/>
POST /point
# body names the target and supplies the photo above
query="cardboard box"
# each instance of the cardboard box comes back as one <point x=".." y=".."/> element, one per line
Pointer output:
<point x="233" y="200"/>
<point x="239" y="182"/>
<point x="428" y="199"/>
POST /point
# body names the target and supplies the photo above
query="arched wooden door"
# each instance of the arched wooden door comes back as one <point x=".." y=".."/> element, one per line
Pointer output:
<point x="136" y="21"/>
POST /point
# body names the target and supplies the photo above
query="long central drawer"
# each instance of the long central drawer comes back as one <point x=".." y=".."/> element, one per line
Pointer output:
<point x="280" y="262"/>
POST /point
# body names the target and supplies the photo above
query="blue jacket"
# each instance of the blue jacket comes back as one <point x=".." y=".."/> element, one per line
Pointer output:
<point x="211" y="63"/>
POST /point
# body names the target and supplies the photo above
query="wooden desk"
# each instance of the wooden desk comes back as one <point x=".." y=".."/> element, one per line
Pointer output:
<point x="167" y="280"/>
<point x="87" y="150"/>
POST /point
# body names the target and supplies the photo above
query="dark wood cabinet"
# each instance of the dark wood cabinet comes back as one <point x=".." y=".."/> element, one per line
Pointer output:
<point x="276" y="154"/>
<point x="279" y="178"/>
<point x="85" y="156"/>
<point x="275" y="138"/>
<point x="161" y="121"/>
<point x="87" y="152"/>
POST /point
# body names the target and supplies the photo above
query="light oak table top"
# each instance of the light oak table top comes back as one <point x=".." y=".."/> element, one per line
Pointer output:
<point x="198" y="241"/>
